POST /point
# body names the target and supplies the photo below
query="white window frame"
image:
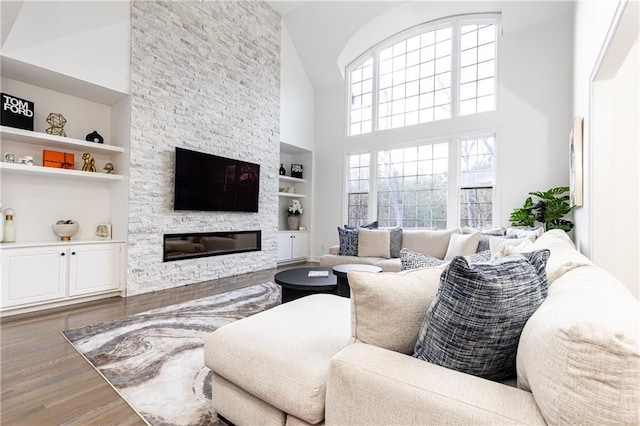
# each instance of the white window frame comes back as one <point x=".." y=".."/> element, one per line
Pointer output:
<point x="453" y="191"/>
<point x="455" y="22"/>
<point x="495" y="199"/>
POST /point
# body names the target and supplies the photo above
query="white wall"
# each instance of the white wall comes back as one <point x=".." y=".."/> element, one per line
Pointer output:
<point x="592" y="22"/>
<point x="610" y="233"/>
<point x="296" y="97"/>
<point x="86" y="40"/>
<point x="533" y="122"/>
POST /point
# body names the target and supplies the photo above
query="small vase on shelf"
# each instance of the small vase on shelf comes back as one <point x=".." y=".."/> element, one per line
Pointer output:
<point x="293" y="222"/>
<point x="9" y="227"/>
<point x="282" y="170"/>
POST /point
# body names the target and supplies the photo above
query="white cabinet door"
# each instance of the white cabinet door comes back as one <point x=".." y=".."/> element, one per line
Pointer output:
<point x="284" y="246"/>
<point x="31" y="275"/>
<point x="94" y="268"/>
<point x="292" y="245"/>
<point x="300" y="245"/>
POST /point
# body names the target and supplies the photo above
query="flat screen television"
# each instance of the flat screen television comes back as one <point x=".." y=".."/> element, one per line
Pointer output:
<point x="206" y="182"/>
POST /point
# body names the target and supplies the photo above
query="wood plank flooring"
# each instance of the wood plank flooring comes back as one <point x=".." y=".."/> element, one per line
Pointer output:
<point x="44" y="381"/>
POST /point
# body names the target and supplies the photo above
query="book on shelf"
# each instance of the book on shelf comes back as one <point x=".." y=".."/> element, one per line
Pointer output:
<point x="318" y="274"/>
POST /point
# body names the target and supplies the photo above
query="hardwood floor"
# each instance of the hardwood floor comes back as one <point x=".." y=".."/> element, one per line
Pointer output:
<point x="44" y="381"/>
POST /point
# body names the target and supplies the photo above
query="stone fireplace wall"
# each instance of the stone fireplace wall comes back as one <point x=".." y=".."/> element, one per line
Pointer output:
<point x="204" y="76"/>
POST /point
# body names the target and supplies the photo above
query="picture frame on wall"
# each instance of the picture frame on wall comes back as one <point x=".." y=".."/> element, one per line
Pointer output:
<point x="103" y="231"/>
<point x="576" y="163"/>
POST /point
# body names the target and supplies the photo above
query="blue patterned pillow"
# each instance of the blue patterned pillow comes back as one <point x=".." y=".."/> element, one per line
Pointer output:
<point x="475" y="320"/>
<point x="348" y="241"/>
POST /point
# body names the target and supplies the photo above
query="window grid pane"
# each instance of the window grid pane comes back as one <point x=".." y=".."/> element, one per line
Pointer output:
<point x="358" y="189"/>
<point x="476" y="182"/>
<point x="415" y="80"/>
<point x="412" y="186"/>
<point x="361" y="98"/>
<point x="477" y="68"/>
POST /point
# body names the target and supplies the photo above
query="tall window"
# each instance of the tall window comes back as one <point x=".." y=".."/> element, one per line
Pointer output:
<point x="414" y="80"/>
<point x="476" y="182"/>
<point x="358" y="189"/>
<point x="477" y="68"/>
<point x="412" y="186"/>
<point x="361" y="98"/>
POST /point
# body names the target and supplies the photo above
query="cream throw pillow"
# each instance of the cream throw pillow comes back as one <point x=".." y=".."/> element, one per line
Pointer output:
<point x="462" y="245"/>
<point x="525" y="246"/>
<point x="387" y="308"/>
<point x="433" y="243"/>
<point x="564" y="256"/>
<point x="497" y="243"/>
<point x="374" y="243"/>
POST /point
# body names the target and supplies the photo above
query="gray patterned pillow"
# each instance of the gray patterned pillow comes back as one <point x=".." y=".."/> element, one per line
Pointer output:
<point x="475" y="320"/>
<point x="395" y="241"/>
<point x="410" y="259"/>
<point x="481" y="256"/>
<point x="348" y="241"/>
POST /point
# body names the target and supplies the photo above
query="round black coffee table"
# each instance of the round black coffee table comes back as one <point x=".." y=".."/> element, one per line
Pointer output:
<point x="341" y="271"/>
<point x="296" y="283"/>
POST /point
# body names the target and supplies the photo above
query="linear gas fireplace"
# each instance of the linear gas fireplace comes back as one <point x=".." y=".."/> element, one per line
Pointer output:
<point x="202" y="244"/>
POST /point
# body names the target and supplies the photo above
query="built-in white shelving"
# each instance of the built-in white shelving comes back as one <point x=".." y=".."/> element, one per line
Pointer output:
<point x="290" y="195"/>
<point x="40" y="170"/>
<point x="53" y="141"/>
<point x="292" y="179"/>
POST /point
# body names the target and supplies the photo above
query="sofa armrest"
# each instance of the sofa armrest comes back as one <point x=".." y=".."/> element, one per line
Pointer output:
<point x="369" y="385"/>
<point x="334" y="250"/>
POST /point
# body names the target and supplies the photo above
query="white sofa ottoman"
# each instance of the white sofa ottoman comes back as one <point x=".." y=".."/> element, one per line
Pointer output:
<point x="271" y="368"/>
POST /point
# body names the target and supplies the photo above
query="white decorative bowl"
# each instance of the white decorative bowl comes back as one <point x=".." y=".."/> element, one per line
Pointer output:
<point x="65" y="230"/>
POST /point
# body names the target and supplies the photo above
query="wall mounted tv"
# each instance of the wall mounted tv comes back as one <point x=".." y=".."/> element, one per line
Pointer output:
<point x="206" y="182"/>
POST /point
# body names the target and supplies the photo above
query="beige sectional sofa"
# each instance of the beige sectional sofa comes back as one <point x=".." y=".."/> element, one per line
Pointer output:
<point x="329" y="360"/>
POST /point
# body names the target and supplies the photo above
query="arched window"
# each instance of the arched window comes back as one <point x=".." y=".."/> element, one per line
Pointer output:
<point x="437" y="71"/>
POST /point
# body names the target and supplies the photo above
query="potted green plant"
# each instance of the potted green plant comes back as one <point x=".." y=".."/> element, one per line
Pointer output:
<point x="549" y="209"/>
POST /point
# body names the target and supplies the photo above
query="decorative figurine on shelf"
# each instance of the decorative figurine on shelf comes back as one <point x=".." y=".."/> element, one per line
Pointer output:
<point x="108" y="168"/>
<point x="9" y="157"/>
<point x="57" y="122"/>
<point x="94" y="137"/>
<point x="89" y="163"/>
<point x="282" y="170"/>
<point x="9" y="227"/>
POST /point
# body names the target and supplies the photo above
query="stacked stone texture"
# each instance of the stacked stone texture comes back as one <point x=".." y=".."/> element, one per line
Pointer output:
<point x="204" y="76"/>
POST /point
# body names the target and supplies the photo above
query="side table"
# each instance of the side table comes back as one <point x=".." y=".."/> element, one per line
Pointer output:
<point x="340" y="271"/>
<point x="296" y="283"/>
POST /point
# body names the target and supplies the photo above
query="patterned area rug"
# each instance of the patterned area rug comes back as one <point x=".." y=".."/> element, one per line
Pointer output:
<point x="155" y="359"/>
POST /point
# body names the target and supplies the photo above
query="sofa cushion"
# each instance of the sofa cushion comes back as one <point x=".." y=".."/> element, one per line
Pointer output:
<point x="478" y="314"/>
<point x="462" y="245"/>
<point x="387" y="308"/>
<point x="282" y="355"/>
<point x="497" y="243"/>
<point x="433" y="243"/>
<point x="348" y="238"/>
<point x="409" y="259"/>
<point x="564" y="256"/>
<point x="373" y="243"/>
<point x="579" y="353"/>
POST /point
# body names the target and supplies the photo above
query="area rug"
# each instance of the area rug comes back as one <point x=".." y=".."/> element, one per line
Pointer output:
<point x="155" y="360"/>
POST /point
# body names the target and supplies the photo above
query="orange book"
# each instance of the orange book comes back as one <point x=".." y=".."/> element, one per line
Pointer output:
<point x="59" y="160"/>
